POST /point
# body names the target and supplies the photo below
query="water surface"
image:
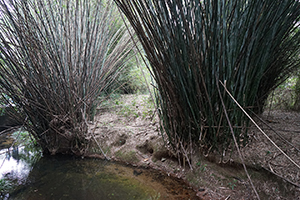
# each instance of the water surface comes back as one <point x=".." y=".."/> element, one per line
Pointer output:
<point x="30" y="176"/>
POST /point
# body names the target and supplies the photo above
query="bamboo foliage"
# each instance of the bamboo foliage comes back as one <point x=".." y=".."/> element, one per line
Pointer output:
<point x="56" y="59"/>
<point x="191" y="45"/>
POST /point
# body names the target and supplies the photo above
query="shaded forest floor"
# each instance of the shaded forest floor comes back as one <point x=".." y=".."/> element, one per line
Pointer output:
<point x="127" y="130"/>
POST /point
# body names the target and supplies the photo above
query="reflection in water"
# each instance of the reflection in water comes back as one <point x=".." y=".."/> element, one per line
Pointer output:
<point x="15" y="165"/>
<point x="16" y="161"/>
<point x="12" y="164"/>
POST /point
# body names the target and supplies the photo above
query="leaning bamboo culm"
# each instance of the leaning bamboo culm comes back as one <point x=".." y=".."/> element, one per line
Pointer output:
<point x="56" y="59"/>
<point x="252" y="46"/>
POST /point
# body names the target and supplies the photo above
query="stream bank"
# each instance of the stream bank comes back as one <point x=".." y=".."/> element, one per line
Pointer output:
<point x="27" y="174"/>
<point x="126" y="131"/>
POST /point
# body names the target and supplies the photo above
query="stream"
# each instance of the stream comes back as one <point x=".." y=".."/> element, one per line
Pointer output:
<point x="26" y="174"/>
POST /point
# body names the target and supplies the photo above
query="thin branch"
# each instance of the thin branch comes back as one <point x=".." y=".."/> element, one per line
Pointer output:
<point x="271" y="171"/>
<point x="260" y="128"/>
<point x="285" y="140"/>
<point x="235" y="142"/>
<point x="93" y="135"/>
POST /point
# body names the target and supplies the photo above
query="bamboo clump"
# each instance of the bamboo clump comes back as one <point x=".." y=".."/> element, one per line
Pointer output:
<point x="57" y="57"/>
<point x="191" y="45"/>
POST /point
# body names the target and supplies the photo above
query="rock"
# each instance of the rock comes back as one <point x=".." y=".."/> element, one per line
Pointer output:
<point x="146" y="147"/>
<point x="120" y="140"/>
<point x="137" y="173"/>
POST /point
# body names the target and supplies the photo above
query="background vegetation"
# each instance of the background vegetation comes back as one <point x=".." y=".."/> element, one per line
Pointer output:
<point x="285" y="96"/>
<point x="133" y="79"/>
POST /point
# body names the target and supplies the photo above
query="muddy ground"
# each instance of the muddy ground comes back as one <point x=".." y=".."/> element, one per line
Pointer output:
<point x="126" y="129"/>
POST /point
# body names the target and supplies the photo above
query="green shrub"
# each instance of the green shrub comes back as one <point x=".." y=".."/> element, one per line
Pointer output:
<point x="284" y="97"/>
<point x="131" y="80"/>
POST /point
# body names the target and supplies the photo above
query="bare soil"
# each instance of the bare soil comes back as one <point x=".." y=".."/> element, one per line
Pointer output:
<point x="127" y="130"/>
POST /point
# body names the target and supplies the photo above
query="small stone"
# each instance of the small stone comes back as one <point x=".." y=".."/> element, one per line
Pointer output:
<point x="137" y="173"/>
<point x="163" y="159"/>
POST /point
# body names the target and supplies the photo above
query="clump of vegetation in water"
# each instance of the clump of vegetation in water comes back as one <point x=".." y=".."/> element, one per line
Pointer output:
<point x="56" y="59"/>
<point x="6" y="186"/>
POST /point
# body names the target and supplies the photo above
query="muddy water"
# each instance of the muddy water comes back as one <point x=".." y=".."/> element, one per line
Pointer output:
<point x="65" y="178"/>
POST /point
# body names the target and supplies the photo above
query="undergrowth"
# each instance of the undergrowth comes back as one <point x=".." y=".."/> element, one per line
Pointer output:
<point x="284" y="97"/>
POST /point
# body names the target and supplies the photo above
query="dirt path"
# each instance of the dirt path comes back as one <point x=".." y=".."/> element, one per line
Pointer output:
<point x="126" y="131"/>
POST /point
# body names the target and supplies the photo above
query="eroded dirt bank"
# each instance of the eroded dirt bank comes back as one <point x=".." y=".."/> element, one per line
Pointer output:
<point x="126" y="130"/>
